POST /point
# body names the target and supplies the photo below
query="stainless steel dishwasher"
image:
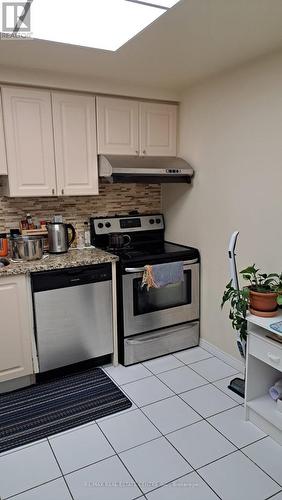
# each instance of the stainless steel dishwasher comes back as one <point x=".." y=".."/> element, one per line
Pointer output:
<point x="73" y="315"/>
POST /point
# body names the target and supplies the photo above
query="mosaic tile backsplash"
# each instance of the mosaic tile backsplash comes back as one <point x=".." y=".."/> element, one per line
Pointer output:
<point x="112" y="199"/>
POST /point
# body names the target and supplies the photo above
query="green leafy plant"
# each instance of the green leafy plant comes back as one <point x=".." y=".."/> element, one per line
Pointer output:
<point x="239" y="303"/>
<point x="262" y="282"/>
<point x="259" y="282"/>
<point x="239" y="299"/>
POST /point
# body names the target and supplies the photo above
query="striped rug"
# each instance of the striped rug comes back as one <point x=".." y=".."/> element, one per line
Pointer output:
<point x="54" y="406"/>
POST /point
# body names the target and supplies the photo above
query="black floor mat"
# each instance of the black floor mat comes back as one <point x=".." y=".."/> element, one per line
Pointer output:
<point x="62" y="403"/>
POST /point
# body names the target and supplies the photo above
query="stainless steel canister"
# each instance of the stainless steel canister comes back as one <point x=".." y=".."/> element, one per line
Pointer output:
<point x="26" y="248"/>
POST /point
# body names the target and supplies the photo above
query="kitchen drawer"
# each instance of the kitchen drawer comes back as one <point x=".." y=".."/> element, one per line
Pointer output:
<point x="265" y="351"/>
<point x="165" y="341"/>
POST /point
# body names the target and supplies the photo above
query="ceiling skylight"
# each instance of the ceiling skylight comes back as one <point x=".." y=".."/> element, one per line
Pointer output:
<point x="101" y="24"/>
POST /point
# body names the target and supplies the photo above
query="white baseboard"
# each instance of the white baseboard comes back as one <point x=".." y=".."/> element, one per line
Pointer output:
<point x="227" y="358"/>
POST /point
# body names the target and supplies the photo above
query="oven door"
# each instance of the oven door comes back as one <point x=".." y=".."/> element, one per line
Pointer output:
<point x="146" y="310"/>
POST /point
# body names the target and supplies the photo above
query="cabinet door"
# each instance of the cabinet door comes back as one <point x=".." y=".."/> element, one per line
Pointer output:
<point x="158" y="129"/>
<point x="75" y="144"/>
<point x="29" y="141"/>
<point x="117" y="124"/>
<point x="3" y="161"/>
<point x="16" y="329"/>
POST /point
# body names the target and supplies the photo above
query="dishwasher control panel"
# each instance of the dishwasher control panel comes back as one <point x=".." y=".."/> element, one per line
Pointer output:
<point x="73" y="276"/>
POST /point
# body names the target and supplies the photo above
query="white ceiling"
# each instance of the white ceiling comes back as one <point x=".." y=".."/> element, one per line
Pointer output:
<point x="193" y="40"/>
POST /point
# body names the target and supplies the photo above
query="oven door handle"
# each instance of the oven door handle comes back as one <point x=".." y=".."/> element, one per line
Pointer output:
<point x="186" y="265"/>
<point x="134" y="269"/>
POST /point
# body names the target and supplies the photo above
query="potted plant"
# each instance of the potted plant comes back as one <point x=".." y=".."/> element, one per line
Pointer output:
<point x="264" y="291"/>
<point x="262" y="296"/>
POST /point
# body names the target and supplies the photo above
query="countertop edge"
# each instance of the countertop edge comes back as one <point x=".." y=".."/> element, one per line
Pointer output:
<point x="74" y="258"/>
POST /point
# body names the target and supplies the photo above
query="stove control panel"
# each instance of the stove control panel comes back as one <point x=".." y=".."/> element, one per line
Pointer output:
<point x="128" y="224"/>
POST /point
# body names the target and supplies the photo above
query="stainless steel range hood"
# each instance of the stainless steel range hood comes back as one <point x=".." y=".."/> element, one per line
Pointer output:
<point x="146" y="169"/>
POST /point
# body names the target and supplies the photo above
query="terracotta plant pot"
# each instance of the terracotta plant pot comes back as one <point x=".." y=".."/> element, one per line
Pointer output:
<point x="263" y="304"/>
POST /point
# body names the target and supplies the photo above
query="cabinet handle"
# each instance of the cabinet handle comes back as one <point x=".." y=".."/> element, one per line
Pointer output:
<point x="63" y="191"/>
<point x="137" y="152"/>
<point x="273" y="358"/>
<point x="144" y="151"/>
<point x="53" y="191"/>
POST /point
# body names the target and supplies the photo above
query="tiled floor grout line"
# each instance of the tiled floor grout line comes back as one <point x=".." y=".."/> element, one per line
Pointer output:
<point x="33" y="488"/>
<point x="237" y="448"/>
<point x="280" y="485"/>
<point x="273" y="496"/>
<point x="184" y="392"/>
<point x="122" y="462"/>
<point x="171" y="444"/>
<point x="58" y="463"/>
<point x="164" y="436"/>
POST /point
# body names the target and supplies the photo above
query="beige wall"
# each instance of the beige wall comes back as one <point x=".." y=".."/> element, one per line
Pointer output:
<point x="82" y="83"/>
<point x="231" y="132"/>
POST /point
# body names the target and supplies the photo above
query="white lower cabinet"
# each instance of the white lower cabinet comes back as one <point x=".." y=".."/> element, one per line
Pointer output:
<point x="16" y="328"/>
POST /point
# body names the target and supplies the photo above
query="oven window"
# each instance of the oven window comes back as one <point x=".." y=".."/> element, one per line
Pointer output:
<point x="157" y="299"/>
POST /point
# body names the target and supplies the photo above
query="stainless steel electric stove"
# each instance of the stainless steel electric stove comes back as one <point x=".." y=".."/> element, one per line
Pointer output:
<point x="151" y="322"/>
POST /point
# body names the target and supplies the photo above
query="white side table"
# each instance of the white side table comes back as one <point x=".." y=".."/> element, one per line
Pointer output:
<point x="263" y="369"/>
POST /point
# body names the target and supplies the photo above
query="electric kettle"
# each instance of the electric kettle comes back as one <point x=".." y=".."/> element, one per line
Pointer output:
<point x="59" y="239"/>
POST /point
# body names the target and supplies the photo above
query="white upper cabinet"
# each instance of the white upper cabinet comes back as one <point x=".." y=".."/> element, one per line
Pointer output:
<point x="117" y="124"/>
<point x="3" y="160"/>
<point x="75" y="144"/>
<point x="132" y="128"/>
<point x="16" y="329"/>
<point x="29" y="141"/>
<point x="158" y="124"/>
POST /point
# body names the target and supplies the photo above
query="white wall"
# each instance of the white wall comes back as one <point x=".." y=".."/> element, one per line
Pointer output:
<point x="231" y="132"/>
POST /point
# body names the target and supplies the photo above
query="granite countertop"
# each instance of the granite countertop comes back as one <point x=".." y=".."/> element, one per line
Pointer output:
<point x="74" y="258"/>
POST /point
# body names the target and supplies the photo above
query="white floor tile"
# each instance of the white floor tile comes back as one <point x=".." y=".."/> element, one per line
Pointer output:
<point x="27" y="468"/>
<point x="154" y="464"/>
<point x="200" y="444"/>
<point x="162" y="364"/>
<point x="23" y="447"/>
<point x="236" y="477"/>
<point x="106" y="480"/>
<point x="223" y="386"/>
<point x="78" y="448"/>
<point x="147" y="391"/>
<point x="182" y="379"/>
<point x="125" y="374"/>
<point x="268" y="455"/>
<point x="171" y="414"/>
<point x="208" y="400"/>
<point x="189" y="487"/>
<point x="56" y="490"/>
<point x="232" y="424"/>
<point x="129" y="430"/>
<point x="213" y="369"/>
<point x="192" y="355"/>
